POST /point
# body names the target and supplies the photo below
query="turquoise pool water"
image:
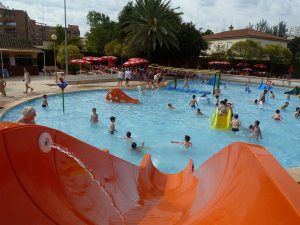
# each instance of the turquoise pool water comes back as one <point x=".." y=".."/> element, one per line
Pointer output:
<point x="154" y="123"/>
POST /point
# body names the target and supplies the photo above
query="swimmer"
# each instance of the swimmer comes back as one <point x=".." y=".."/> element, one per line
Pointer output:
<point x="186" y="142"/>
<point x="28" y="115"/>
<point x="247" y="89"/>
<point x="128" y="137"/>
<point x="263" y="96"/>
<point x="256" y="132"/>
<point x="235" y="123"/>
<point x="44" y="101"/>
<point x="198" y="112"/>
<point x="170" y="106"/>
<point x="223" y="109"/>
<point x="255" y="102"/>
<point x="297" y="113"/>
<point x="135" y="147"/>
<point x="250" y="129"/>
<point x="285" y="105"/>
<point x="94" y="116"/>
<point x="277" y="115"/>
<point x="112" y="128"/>
<point x="272" y="94"/>
<point x="288" y="97"/>
<point x="193" y="102"/>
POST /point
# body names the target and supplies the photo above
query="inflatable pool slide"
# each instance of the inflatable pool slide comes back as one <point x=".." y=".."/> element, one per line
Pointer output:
<point x="220" y="122"/>
<point x="40" y="184"/>
<point x="119" y="96"/>
<point x="295" y="91"/>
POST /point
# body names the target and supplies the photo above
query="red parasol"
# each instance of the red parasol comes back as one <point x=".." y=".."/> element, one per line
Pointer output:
<point x="79" y="61"/>
<point x="242" y="64"/>
<point x="108" y="58"/>
<point x="130" y="63"/>
<point x="248" y="69"/>
<point x="260" y="66"/>
<point x="91" y="58"/>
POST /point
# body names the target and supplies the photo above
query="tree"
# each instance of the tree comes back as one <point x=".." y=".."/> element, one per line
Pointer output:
<point x="152" y="23"/>
<point x="280" y="29"/>
<point x="60" y="33"/>
<point x="263" y="26"/>
<point x="208" y="32"/>
<point x="102" y="30"/>
<point x="115" y="47"/>
<point x="277" y="54"/>
<point x="73" y="40"/>
<point x="124" y="15"/>
<point x="246" y="50"/>
<point x="294" y="46"/>
<point x="73" y="53"/>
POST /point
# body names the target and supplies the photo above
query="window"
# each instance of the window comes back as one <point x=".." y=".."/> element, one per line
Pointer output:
<point x="10" y="16"/>
<point x="10" y="23"/>
<point x="10" y="30"/>
<point x="229" y="44"/>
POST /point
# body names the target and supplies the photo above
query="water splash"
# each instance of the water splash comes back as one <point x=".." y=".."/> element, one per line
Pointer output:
<point x="89" y="172"/>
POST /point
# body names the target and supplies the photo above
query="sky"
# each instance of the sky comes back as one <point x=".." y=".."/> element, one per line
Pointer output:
<point x="216" y="15"/>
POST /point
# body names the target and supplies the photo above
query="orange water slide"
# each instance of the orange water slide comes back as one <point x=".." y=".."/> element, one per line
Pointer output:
<point x="119" y="96"/>
<point x="240" y="185"/>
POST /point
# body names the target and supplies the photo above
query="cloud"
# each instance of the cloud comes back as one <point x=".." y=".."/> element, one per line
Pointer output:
<point x="216" y="15"/>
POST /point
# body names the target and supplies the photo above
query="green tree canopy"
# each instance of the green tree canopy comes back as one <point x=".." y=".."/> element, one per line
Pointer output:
<point x="246" y="50"/>
<point x="294" y="46"/>
<point x="73" y="53"/>
<point x="60" y="33"/>
<point x="102" y="30"/>
<point x="152" y="23"/>
<point x="277" y="54"/>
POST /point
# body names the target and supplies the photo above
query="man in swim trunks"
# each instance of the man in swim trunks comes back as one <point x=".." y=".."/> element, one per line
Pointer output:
<point x="193" y="102"/>
<point x="263" y="96"/>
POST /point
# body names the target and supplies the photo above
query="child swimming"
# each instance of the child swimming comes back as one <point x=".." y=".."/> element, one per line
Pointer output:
<point x="186" y="142"/>
<point x="170" y="106"/>
<point x="135" y="147"/>
<point x="285" y="105"/>
<point x="272" y="94"/>
<point x="198" y="112"/>
<point x="297" y="112"/>
<point x="277" y="115"/>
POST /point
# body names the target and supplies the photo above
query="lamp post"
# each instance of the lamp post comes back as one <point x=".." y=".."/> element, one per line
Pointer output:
<point x="54" y="38"/>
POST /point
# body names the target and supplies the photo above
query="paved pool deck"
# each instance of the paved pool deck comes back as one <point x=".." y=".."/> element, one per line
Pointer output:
<point x="46" y="85"/>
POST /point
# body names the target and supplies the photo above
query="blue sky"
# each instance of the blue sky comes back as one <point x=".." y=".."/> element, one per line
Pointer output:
<point x="216" y="15"/>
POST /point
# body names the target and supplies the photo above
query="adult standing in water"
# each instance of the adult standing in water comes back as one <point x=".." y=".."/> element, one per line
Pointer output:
<point x="27" y="80"/>
<point x="28" y="115"/>
<point x="263" y="96"/>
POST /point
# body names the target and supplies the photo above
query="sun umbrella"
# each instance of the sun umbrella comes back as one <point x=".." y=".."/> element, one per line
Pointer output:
<point x="140" y="60"/>
<point x="260" y="66"/>
<point x="108" y="58"/>
<point x="79" y="61"/>
<point x="91" y="58"/>
<point x="130" y="63"/>
<point x="242" y="64"/>
<point x="248" y="69"/>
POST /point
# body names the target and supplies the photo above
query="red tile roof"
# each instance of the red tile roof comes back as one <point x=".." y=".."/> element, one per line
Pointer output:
<point x="12" y="44"/>
<point x="243" y="33"/>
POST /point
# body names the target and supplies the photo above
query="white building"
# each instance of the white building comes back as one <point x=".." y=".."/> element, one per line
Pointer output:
<point x="224" y="40"/>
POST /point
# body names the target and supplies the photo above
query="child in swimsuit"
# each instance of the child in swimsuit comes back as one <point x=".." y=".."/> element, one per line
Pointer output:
<point x="235" y="123"/>
<point x="198" y="112"/>
<point x="256" y="132"/>
<point x="297" y="113"/>
<point x="186" y="141"/>
<point x="272" y="94"/>
<point x="44" y="102"/>
<point x="112" y="128"/>
<point x="277" y="115"/>
<point x="170" y="106"/>
<point x="193" y="102"/>
<point x="135" y="147"/>
<point x="94" y="116"/>
<point x="285" y="105"/>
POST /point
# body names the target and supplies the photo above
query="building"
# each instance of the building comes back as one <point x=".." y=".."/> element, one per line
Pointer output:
<point x="17" y="54"/>
<point x="224" y="40"/>
<point x="15" y="23"/>
<point x="18" y="24"/>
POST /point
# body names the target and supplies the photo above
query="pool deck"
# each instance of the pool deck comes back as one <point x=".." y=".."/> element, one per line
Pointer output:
<point x="45" y="85"/>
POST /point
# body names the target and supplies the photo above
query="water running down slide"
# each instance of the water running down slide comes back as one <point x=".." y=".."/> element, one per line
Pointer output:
<point x="241" y="184"/>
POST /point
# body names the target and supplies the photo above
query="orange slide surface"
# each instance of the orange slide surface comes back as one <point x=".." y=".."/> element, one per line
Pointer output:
<point x="241" y="184"/>
<point x="119" y="96"/>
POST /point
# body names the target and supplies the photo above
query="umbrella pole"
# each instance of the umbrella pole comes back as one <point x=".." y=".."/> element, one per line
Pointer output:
<point x="2" y="65"/>
<point x="79" y="68"/>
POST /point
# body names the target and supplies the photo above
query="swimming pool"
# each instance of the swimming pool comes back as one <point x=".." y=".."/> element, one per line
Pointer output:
<point x="152" y="122"/>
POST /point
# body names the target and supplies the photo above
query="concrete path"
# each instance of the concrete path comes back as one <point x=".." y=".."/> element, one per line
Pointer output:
<point x="15" y="87"/>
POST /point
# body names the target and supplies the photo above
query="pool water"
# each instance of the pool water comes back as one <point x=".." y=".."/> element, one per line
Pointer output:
<point x="156" y="125"/>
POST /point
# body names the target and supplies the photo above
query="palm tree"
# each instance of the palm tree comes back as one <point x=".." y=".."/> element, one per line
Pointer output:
<point x="152" y="22"/>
